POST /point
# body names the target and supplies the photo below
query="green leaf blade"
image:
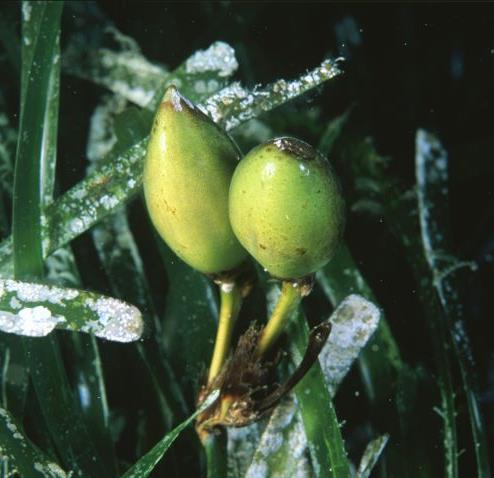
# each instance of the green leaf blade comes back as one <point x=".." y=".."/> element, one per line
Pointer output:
<point x="431" y="166"/>
<point x="146" y="464"/>
<point x="318" y="415"/>
<point x="36" y="95"/>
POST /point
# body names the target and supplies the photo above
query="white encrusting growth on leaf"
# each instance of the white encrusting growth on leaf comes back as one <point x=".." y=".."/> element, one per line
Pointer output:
<point x="50" y="470"/>
<point x="116" y="320"/>
<point x="30" y="292"/>
<point x="431" y="168"/>
<point x="26" y="11"/>
<point x="235" y="104"/>
<point x="242" y="443"/>
<point x="282" y="449"/>
<point x="29" y="321"/>
<point x="102" y="136"/>
<point x="35" y="310"/>
<point x="11" y="426"/>
<point x="219" y="57"/>
<point x="353" y="323"/>
<point x="108" y="202"/>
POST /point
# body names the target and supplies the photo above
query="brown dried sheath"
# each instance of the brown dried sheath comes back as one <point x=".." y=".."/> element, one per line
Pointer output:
<point x="317" y="338"/>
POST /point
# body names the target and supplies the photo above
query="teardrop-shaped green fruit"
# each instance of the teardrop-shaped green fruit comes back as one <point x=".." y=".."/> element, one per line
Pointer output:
<point x="187" y="174"/>
<point x="286" y="207"/>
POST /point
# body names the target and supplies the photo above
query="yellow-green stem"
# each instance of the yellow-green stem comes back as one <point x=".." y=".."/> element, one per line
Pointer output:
<point x="290" y="297"/>
<point x="230" y="302"/>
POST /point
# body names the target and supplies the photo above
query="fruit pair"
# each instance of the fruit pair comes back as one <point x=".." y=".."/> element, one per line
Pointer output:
<point x="281" y="202"/>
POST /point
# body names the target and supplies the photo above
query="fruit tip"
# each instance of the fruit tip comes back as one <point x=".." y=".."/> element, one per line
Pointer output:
<point x="296" y="147"/>
<point x="173" y="97"/>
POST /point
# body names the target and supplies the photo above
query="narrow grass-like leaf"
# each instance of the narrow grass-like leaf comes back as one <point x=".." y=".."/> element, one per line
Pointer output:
<point x="432" y="182"/>
<point x="35" y="310"/>
<point x="371" y="455"/>
<point x="332" y="133"/>
<point x="112" y="184"/>
<point x="50" y="130"/>
<point x="4" y="223"/>
<point x="32" y="19"/>
<point x="146" y="464"/>
<point x="215" y="448"/>
<point x="41" y="34"/>
<point x="404" y="224"/>
<point x="321" y="425"/>
<point x="282" y="445"/>
<point x="22" y="455"/>
<point x="235" y="104"/>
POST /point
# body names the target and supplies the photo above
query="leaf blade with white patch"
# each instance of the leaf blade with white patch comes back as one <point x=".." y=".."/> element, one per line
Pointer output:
<point x="431" y="167"/>
<point x="35" y="310"/>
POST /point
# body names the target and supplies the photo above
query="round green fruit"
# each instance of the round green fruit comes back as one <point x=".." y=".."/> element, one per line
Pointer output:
<point x="187" y="173"/>
<point x="286" y="207"/>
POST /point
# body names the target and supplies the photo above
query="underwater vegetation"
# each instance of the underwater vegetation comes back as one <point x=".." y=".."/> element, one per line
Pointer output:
<point x="246" y="240"/>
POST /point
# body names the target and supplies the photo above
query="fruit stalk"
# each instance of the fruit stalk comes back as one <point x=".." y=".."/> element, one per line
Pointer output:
<point x="230" y="303"/>
<point x="288" y="301"/>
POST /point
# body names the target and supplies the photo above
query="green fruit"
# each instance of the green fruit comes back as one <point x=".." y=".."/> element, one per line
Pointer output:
<point x="286" y="207"/>
<point x="187" y="173"/>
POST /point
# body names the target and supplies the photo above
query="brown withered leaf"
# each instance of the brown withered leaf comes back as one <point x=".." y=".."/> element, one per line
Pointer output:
<point x="247" y="383"/>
